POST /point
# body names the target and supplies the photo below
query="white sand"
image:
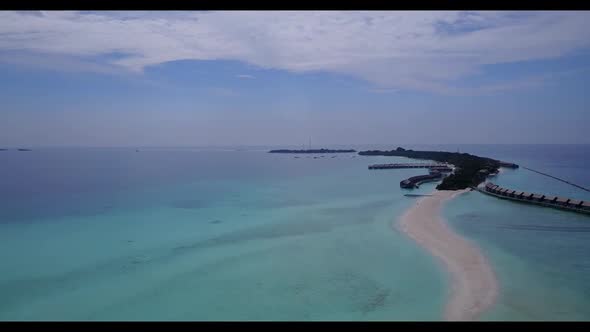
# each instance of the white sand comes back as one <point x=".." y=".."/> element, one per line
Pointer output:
<point x="474" y="286"/>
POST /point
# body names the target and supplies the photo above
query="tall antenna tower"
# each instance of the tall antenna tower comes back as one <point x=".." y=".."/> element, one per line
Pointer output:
<point x="310" y="142"/>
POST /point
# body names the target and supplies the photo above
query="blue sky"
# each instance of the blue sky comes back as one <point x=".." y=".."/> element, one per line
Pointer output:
<point x="257" y="78"/>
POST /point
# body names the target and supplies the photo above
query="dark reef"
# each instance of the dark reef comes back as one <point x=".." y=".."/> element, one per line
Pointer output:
<point x="470" y="170"/>
<point x="311" y="151"/>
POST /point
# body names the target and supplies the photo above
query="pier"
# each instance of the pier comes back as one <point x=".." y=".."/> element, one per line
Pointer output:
<point x="416" y="181"/>
<point x="437" y="166"/>
<point x="435" y="172"/>
<point x="557" y="202"/>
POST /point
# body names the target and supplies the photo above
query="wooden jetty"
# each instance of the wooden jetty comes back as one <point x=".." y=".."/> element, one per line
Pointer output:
<point x="416" y="181"/>
<point x="536" y="199"/>
<point x="411" y="165"/>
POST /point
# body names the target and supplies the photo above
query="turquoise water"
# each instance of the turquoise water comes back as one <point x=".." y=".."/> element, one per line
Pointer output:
<point x="111" y="234"/>
<point x="541" y="256"/>
<point x="189" y="234"/>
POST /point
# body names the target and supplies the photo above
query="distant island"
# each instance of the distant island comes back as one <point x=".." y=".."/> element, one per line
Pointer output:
<point x="24" y="150"/>
<point x="470" y="170"/>
<point x="311" y="151"/>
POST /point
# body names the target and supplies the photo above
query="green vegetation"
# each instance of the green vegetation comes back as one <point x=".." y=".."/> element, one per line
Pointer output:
<point x="468" y="167"/>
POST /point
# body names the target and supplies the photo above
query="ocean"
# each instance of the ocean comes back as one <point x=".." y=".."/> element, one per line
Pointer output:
<point x="241" y="234"/>
<point x="541" y="256"/>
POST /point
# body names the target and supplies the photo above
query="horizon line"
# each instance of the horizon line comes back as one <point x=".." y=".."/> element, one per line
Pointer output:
<point x="268" y="145"/>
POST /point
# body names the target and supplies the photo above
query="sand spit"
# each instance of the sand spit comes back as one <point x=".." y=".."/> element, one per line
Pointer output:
<point x="474" y="285"/>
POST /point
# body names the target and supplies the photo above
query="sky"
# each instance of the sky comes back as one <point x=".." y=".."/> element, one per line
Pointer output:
<point x="278" y="78"/>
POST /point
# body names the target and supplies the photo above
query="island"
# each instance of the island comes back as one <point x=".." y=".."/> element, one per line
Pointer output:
<point x="470" y="170"/>
<point x="24" y="149"/>
<point x="312" y="151"/>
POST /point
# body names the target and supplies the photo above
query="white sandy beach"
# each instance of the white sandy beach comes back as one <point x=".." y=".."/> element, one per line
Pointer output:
<point x="474" y="285"/>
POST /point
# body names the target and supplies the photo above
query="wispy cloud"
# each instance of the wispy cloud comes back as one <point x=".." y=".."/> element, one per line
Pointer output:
<point x="58" y="62"/>
<point x="223" y="92"/>
<point x="427" y="51"/>
<point x="245" y="76"/>
<point x="383" y="90"/>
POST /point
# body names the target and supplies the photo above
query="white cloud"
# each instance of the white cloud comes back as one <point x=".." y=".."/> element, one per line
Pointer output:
<point x="423" y="50"/>
<point x="383" y="90"/>
<point x="245" y="76"/>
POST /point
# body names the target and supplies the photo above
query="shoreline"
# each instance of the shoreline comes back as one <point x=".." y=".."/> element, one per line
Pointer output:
<point x="474" y="286"/>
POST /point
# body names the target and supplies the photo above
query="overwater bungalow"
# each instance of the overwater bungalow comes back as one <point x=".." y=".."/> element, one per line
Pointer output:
<point x="415" y="181"/>
<point x="538" y="199"/>
<point x="562" y="201"/>
<point x="443" y="169"/>
<point x="574" y="202"/>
